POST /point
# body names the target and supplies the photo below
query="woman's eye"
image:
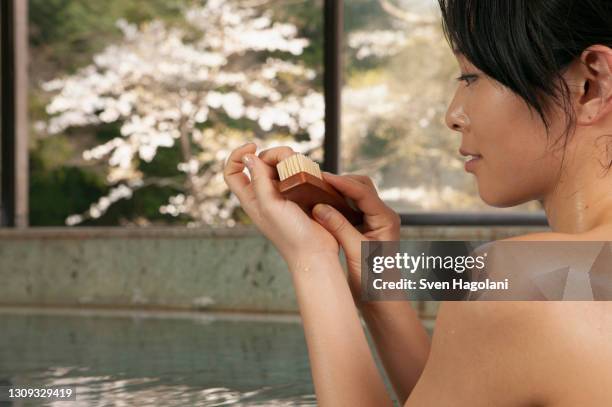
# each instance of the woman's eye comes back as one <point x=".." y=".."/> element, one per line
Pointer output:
<point x="468" y="78"/>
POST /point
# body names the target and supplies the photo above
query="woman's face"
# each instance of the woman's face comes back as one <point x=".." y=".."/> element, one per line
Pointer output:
<point x="517" y="163"/>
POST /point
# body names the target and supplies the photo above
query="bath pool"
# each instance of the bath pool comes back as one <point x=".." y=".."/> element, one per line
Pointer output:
<point x="157" y="359"/>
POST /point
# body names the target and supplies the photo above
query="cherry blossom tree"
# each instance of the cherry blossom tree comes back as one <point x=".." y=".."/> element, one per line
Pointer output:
<point x="230" y="75"/>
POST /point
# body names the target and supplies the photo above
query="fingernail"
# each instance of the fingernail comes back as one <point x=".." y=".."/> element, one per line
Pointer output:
<point x="245" y="144"/>
<point x="248" y="161"/>
<point x="321" y="211"/>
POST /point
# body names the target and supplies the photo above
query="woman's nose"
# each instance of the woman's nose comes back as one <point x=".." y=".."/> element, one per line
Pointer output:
<point x="456" y="118"/>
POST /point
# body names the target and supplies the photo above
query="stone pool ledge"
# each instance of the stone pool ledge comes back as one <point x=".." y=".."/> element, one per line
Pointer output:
<point x="233" y="269"/>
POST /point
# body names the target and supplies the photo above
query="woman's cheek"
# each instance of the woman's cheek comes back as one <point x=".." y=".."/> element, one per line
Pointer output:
<point x="514" y="178"/>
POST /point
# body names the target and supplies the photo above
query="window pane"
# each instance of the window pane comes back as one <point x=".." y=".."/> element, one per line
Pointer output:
<point x="135" y="104"/>
<point x="399" y="78"/>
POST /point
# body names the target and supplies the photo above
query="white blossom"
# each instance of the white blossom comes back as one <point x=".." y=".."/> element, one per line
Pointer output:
<point x="160" y="88"/>
<point x="377" y="43"/>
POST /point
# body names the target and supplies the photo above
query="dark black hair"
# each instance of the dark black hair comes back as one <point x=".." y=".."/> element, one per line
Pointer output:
<point x="527" y="44"/>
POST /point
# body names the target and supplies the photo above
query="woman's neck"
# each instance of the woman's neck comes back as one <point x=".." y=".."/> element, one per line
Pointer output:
<point x="582" y="199"/>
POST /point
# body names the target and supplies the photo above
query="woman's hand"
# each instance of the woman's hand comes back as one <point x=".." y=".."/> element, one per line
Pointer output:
<point x="338" y="350"/>
<point x="283" y="222"/>
<point x="379" y="222"/>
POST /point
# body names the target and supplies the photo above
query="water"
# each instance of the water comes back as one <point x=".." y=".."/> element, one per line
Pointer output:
<point x="138" y="359"/>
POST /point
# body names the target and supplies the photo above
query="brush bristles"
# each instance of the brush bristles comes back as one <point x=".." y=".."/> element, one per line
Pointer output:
<point x="297" y="163"/>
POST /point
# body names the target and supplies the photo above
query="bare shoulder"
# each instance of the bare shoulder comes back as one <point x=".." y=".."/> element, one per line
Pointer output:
<point x="532" y="353"/>
<point x="543" y="236"/>
<point x="601" y="233"/>
<point x="519" y="352"/>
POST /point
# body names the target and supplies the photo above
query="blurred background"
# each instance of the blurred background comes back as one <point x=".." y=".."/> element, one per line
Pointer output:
<point x="127" y="267"/>
<point x="133" y="105"/>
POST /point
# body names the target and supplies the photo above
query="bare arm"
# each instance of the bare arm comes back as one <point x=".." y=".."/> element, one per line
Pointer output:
<point x="343" y="368"/>
<point x="400" y="338"/>
<point x="401" y="341"/>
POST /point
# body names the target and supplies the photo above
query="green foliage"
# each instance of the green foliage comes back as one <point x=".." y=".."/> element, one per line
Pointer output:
<point x="165" y="163"/>
<point x="143" y="205"/>
<point x="58" y="190"/>
<point x="69" y="32"/>
<point x="308" y="18"/>
<point x="51" y="153"/>
<point x="108" y="131"/>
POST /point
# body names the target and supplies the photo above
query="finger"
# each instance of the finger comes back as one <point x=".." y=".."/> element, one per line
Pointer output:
<point x="233" y="173"/>
<point x="388" y="213"/>
<point x="273" y="156"/>
<point x="363" y="195"/>
<point x="364" y="179"/>
<point x="336" y="224"/>
<point x="262" y="178"/>
<point x="270" y="171"/>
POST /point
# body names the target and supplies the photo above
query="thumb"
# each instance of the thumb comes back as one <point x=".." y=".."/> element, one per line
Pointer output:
<point x="336" y="224"/>
<point x="262" y="177"/>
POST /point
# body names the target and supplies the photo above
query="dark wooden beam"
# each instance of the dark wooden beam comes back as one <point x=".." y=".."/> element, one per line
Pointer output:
<point x="333" y="15"/>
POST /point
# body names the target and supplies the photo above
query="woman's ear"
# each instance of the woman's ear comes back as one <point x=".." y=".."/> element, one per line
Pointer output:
<point x="595" y="77"/>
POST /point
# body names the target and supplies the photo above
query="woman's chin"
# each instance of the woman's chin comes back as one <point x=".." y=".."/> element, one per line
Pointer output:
<point x="501" y="199"/>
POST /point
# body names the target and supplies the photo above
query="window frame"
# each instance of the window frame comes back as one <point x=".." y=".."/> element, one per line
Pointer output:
<point x="14" y="174"/>
<point x="7" y="187"/>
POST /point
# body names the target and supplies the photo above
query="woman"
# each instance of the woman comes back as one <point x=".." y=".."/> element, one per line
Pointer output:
<point x="534" y="109"/>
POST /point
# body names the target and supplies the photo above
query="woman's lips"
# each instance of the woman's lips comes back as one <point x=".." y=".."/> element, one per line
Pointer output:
<point x="472" y="162"/>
